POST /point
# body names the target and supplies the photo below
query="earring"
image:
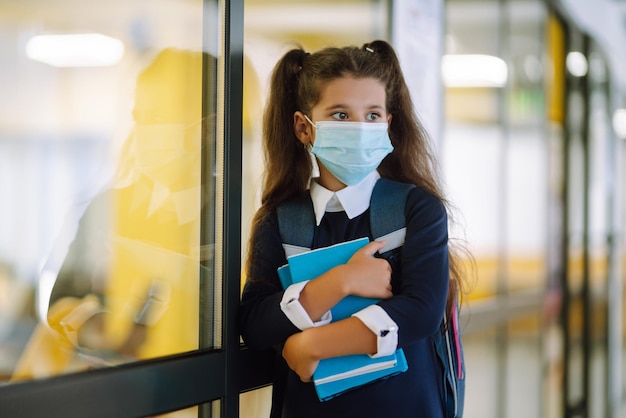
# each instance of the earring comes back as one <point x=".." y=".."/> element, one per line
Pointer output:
<point x="308" y="146"/>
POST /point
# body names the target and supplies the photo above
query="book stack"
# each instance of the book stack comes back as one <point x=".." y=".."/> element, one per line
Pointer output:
<point x="337" y="375"/>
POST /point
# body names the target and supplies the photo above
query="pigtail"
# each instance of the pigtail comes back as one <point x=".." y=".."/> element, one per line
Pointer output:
<point x="288" y="164"/>
<point x="412" y="160"/>
<point x="413" y="155"/>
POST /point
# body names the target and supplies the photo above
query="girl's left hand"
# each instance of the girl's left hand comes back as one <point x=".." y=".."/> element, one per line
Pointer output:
<point x="297" y="352"/>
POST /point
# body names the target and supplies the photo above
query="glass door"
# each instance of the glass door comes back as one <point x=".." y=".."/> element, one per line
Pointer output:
<point x="120" y="178"/>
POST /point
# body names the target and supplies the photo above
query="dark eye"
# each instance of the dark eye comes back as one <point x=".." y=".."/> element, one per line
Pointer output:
<point x="340" y="115"/>
<point x="373" y="116"/>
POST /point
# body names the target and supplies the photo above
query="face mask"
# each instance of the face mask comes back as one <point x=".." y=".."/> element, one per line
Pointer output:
<point x="351" y="150"/>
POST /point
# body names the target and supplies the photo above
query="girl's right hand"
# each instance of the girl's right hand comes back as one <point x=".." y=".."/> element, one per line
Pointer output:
<point x="368" y="276"/>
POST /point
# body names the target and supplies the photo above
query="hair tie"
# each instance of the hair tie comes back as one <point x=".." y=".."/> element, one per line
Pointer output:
<point x="368" y="49"/>
<point x="302" y="58"/>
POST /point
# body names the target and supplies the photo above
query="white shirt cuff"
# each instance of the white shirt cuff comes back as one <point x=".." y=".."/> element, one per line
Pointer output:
<point x="293" y="310"/>
<point x="380" y="323"/>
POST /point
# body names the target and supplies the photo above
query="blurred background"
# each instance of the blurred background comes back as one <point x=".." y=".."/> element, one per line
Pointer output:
<point x="123" y="125"/>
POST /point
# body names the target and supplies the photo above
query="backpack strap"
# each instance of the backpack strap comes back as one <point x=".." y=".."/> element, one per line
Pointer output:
<point x="296" y="223"/>
<point x="387" y="213"/>
<point x="388" y="222"/>
<point x="296" y="218"/>
<point x="449" y="347"/>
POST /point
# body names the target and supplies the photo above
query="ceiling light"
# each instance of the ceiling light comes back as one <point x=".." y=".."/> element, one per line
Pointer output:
<point x="75" y="50"/>
<point x="577" y="64"/>
<point x="619" y="123"/>
<point x="473" y="71"/>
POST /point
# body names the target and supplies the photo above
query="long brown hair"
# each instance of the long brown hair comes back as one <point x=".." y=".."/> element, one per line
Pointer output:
<point x="296" y="84"/>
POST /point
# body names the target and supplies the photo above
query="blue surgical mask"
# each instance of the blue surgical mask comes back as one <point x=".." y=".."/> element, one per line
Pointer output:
<point x="351" y="150"/>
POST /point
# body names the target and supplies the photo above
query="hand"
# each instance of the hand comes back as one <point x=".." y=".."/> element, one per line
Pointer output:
<point x="368" y="276"/>
<point x="299" y="357"/>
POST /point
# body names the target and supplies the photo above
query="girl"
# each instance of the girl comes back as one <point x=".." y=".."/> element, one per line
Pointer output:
<point x="350" y="107"/>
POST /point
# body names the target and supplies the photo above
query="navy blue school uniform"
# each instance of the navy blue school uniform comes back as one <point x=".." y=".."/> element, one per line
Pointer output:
<point x="419" y="287"/>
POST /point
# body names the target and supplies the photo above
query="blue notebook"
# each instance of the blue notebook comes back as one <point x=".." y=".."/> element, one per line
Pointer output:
<point x="337" y="375"/>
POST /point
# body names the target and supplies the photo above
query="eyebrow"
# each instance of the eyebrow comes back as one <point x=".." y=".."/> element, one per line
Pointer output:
<point x="343" y="106"/>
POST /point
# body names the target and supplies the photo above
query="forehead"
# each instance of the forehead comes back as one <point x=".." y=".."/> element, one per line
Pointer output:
<point x="354" y="92"/>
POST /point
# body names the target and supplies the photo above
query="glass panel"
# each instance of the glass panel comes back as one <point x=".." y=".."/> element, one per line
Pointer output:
<point x="106" y="112"/>
<point x="555" y="111"/>
<point x="472" y="144"/>
<point x="209" y="409"/>
<point x="621" y="263"/>
<point x="526" y="212"/>
<point x="577" y="227"/>
<point x="600" y="234"/>
<point x="256" y="403"/>
<point x="495" y="165"/>
<point x="524" y="367"/>
<point x="479" y="352"/>
<point x="527" y="163"/>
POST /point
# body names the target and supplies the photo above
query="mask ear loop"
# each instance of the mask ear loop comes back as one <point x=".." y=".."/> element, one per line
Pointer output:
<point x="309" y="146"/>
<point x="310" y="121"/>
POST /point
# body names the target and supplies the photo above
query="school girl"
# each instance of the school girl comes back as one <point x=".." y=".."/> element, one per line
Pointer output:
<point x="350" y="108"/>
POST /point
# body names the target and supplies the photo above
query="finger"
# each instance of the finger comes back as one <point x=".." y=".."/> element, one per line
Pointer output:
<point x="373" y="247"/>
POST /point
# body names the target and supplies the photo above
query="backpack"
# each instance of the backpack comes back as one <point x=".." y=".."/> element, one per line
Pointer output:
<point x="296" y="221"/>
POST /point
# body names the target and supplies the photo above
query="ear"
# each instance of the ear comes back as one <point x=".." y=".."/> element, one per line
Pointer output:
<point x="302" y="128"/>
<point x="389" y="117"/>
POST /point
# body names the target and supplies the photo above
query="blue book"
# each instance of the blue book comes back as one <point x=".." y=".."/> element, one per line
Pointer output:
<point x="337" y="375"/>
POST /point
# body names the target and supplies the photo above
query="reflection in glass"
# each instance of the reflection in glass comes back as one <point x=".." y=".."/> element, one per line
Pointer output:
<point x="128" y="285"/>
<point x="100" y="173"/>
<point x="75" y="50"/>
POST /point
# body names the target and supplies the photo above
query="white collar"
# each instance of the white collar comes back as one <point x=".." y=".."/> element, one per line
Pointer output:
<point x="354" y="200"/>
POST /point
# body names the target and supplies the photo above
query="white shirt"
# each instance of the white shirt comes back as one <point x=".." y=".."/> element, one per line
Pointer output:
<point x="354" y="200"/>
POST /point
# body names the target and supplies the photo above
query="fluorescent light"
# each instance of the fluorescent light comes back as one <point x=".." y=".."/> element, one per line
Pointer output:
<point x="619" y="123"/>
<point x="75" y="50"/>
<point x="473" y="71"/>
<point x="576" y="64"/>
